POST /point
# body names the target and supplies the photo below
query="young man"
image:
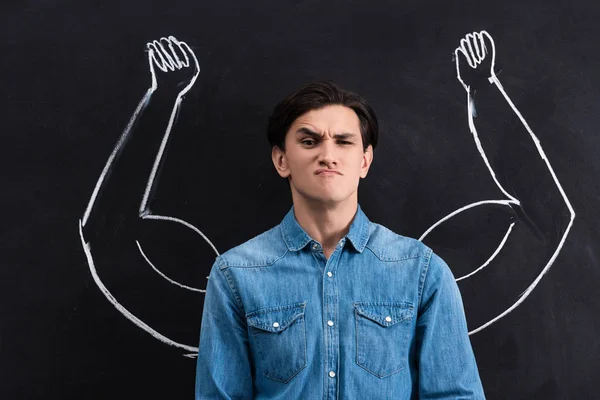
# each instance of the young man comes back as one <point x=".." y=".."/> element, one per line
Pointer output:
<point x="328" y="305"/>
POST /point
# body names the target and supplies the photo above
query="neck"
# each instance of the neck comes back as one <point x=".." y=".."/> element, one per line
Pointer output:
<point x="327" y="224"/>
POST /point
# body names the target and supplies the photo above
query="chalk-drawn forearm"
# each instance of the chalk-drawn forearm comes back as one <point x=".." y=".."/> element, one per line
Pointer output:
<point x="517" y="156"/>
<point x="122" y="192"/>
<point x="475" y="62"/>
<point x="119" y="207"/>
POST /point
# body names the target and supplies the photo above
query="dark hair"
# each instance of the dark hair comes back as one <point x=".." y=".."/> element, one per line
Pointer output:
<point x="314" y="96"/>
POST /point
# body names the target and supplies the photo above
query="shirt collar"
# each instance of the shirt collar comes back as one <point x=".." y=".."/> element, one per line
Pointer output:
<point x="296" y="238"/>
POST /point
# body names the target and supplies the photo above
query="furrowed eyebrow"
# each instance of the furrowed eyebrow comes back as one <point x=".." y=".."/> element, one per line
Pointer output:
<point x="306" y="131"/>
<point x="345" y="135"/>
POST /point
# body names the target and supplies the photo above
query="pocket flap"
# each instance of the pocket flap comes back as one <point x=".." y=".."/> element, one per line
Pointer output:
<point x="275" y="319"/>
<point x="385" y="314"/>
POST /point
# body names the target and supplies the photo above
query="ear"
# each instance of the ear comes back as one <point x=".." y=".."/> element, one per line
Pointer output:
<point x="367" y="159"/>
<point x="280" y="162"/>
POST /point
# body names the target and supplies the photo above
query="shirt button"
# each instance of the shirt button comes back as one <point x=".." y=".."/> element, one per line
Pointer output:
<point x="330" y="323"/>
<point x="329" y="274"/>
<point x="275" y="324"/>
<point x="388" y="318"/>
<point x="315" y="246"/>
<point x="332" y="374"/>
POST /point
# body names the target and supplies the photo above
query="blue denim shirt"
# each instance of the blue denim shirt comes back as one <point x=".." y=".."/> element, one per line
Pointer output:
<point x="382" y="318"/>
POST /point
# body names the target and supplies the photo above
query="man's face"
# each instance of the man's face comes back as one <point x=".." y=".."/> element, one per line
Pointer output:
<point x="324" y="158"/>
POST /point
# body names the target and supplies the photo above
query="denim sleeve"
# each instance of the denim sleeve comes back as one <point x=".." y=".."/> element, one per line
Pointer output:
<point x="223" y="367"/>
<point x="447" y="365"/>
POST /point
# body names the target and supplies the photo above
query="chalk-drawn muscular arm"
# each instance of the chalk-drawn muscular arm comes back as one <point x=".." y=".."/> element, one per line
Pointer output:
<point x="128" y="181"/>
<point x="118" y="212"/>
<point x="125" y="189"/>
<point x="510" y="149"/>
<point x="513" y="155"/>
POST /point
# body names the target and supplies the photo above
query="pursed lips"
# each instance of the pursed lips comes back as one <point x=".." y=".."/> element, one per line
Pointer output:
<point x="327" y="172"/>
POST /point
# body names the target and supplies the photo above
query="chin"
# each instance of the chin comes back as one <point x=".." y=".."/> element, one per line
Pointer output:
<point x="323" y="195"/>
<point x="329" y="199"/>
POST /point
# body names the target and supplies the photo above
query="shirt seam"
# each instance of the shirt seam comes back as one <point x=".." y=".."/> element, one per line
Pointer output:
<point x="223" y="269"/>
<point x="423" y="278"/>
<point x="259" y="265"/>
<point x="395" y="259"/>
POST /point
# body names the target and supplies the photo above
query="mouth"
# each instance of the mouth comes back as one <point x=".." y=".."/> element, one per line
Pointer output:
<point x="327" y="172"/>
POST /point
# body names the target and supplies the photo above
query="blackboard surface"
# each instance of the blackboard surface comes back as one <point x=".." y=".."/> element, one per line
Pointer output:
<point x="72" y="74"/>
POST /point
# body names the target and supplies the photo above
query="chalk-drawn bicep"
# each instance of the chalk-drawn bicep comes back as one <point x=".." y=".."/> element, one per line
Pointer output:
<point x="176" y="250"/>
<point x="476" y="222"/>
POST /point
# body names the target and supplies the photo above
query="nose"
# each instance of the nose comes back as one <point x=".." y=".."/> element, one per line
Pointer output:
<point x="327" y="155"/>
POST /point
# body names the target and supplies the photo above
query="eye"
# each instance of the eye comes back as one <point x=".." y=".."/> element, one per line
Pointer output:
<point x="344" y="142"/>
<point x="308" y="142"/>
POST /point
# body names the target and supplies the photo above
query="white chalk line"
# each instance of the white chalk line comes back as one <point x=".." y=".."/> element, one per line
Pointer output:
<point x="160" y="57"/>
<point x="489" y="260"/>
<point x="187" y="224"/>
<point x="141" y="324"/>
<point x="468" y="206"/>
<point x="163" y="275"/>
<point x="475" y="58"/>
<point x="150" y="184"/>
<point x="169" y="61"/>
<point x="473" y="62"/>
<point x="142" y="104"/>
<point x="545" y="270"/>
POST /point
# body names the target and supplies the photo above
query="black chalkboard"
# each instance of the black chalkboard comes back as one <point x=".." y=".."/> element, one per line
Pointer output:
<point x="101" y="292"/>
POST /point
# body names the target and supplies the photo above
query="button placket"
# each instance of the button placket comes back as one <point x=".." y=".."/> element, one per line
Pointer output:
<point x="330" y="304"/>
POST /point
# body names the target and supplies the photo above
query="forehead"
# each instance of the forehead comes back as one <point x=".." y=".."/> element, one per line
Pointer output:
<point x="333" y="119"/>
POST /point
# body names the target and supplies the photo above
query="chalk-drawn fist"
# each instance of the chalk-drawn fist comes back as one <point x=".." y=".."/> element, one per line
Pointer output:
<point x="173" y="65"/>
<point x="475" y="58"/>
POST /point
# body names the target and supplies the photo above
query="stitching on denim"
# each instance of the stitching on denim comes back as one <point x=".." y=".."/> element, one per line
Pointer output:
<point x="260" y="263"/>
<point x="356" y="334"/>
<point x="284" y="235"/>
<point x="285" y="324"/>
<point x="231" y="286"/>
<point x="288" y="240"/>
<point x="423" y="277"/>
<point x="406" y="316"/>
<point x="394" y="259"/>
<point x="385" y="303"/>
<point x="264" y="310"/>
<point x="299" y="369"/>
<point x="380" y="376"/>
<point x="364" y="236"/>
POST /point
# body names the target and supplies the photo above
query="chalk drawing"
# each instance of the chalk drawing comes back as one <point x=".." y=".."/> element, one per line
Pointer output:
<point x="166" y="55"/>
<point x="476" y="48"/>
<point x="171" y="55"/>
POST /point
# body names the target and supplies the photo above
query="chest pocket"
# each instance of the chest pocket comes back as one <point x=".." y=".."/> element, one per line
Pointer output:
<point x="278" y="335"/>
<point x="383" y="332"/>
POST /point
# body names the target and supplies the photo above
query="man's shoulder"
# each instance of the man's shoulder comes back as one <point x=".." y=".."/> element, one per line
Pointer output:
<point x="387" y="245"/>
<point x="262" y="250"/>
